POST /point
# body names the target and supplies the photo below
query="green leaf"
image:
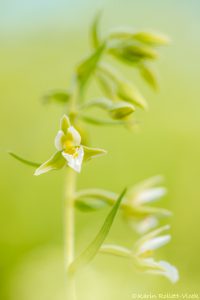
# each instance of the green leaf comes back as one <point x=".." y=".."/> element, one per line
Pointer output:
<point x="149" y="75"/>
<point x="90" y="152"/>
<point x="88" y="66"/>
<point x="56" y="162"/>
<point x="94" y="247"/>
<point x="57" y="96"/>
<point x="24" y="161"/>
<point x="95" y="31"/>
<point x="89" y="204"/>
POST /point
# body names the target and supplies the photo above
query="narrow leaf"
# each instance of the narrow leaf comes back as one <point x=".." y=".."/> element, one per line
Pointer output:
<point x="86" y="68"/>
<point x="24" y="161"/>
<point x="94" y="247"/>
<point x="95" y="31"/>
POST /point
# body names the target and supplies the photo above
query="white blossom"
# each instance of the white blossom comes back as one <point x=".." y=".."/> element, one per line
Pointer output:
<point x="70" y="151"/>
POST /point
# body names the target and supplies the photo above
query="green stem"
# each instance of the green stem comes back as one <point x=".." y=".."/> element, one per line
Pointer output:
<point x="70" y="186"/>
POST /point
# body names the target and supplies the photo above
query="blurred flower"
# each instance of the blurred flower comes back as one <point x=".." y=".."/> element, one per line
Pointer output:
<point x="70" y="150"/>
<point x="144" y="250"/>
<point x="145" y="225"/>
<point x="140" y="215"/>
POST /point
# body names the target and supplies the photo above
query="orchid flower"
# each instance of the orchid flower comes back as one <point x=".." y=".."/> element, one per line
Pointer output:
<point x="70" y="151"/>
<point x="144" y="251"/>
<point x="138" y="204"/>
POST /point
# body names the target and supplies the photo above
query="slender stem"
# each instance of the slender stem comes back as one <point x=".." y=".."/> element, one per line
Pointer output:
<point x="69" y="218"/>
<point x="70" y="186"/>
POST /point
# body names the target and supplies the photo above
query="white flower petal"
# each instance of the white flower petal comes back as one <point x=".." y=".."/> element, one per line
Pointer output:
<point x="74" y="135"/>
<point x="59" y="139"/>
<point x="154" y="243"/>
<point x="170" y="271"/>
<point x="145" y="225"/>
<point x="149" y="236"/>
<point x="162" y="268"/>
<point x="150" y="195"/>
<point x="75" y="160"/>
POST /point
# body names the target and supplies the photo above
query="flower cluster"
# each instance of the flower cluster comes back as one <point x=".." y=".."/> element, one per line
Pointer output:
<point x="142" y="217"/>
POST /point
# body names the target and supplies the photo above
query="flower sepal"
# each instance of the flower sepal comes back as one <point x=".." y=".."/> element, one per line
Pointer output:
<point x="55" y="162"/>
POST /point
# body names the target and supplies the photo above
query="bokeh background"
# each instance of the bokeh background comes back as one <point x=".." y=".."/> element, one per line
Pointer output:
<point x="41" y="41"/>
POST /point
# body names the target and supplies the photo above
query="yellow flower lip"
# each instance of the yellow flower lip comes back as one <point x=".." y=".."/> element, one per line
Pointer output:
<point x="68" y="146"/>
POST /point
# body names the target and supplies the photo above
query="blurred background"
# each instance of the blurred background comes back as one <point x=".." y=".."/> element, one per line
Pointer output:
<point x="40" y="43"/>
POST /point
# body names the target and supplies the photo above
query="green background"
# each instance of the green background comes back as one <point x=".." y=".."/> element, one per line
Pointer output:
<point x="41" y="42"/>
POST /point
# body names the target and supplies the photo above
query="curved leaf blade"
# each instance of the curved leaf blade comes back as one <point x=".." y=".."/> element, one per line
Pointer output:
<point x="24" y="161"/>
<point x="90" y="252"/>
<point x="95" y="39"/>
